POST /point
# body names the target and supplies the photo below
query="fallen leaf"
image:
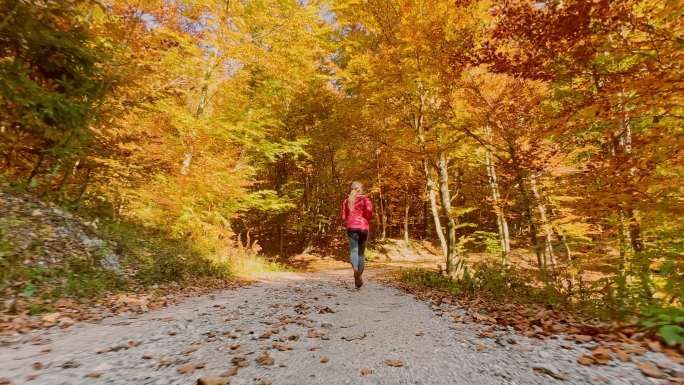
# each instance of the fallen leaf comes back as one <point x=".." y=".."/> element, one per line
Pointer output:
<point x="94" y="375"/>
<point x="324" y="360"/>
<point x="266" y="335"/>
<point x="38" y="365"/>
<point x="550" y="371"/>
<point x="70" y="364"/>
<point x="50" y="318"/>
<point x="420" y="333"/>
<point x="480" y="347"/>
<point x="395" y="363"/>
<point x="264" y="359"/>
<point x="654" y="346"/>
<point x="601" y="355"/>
<point x="281" y="347"/>
<point x="366" y="371"/>
<point x="586" y="360"/>
<point x="581" y="338"/>
<point x="354" y="337"/>
<point x="650" y="370"/>
<point x="213" y="381"/>
<point x="4" y="381"/>
<point x="147" y="356"/>
<point x="239" y="361"/>
<point x="191" y="349"/>
<point x="186" y="369"/>
<point x="622" y="355"/>
<point x="326" y="310"/>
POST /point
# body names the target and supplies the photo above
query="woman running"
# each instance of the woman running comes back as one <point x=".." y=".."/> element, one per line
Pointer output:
<point x="357" y="210"/>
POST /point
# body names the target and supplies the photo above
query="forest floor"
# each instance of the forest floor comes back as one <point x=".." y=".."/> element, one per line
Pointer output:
<point x="303" y="328"/>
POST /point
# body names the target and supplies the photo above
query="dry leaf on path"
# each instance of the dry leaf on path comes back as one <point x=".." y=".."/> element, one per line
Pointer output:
<point x="213" y="381"/>
<point x="601" y="355"/>
<point x="582" y="338"/>
<point x="354" y="337"/>
<point x="281" y="347"/>
<point x="190" y="349"/>
<point x="186" y="369"/>
<point x="324" y="360"/>
<point x="239" y="361"/>
<point x="266" y="335"/>
<point x="264" y="359"/>
<point x="586" y="360"/>
<point x="552" y="372"/>
<point x="366" y="371"/>
<point x="654" y="346"/>
<point x="70" y="364"/>
<point x="622" y="355"/>
<point x="650" y="370"/>
<point x="394" y="363"/>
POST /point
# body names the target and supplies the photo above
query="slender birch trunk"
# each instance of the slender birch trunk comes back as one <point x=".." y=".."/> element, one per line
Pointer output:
<point x="381" y="212"/>
<point x="502" y="222"/>
<point x="430" y="183"/>
<point x="527" y="205"/>
<point x="545" y="226"/>
<point x="452" y="257"/>
<point x="432" y="197"/>
<point x="201" y="106"/>
<point x="406" y="217"/>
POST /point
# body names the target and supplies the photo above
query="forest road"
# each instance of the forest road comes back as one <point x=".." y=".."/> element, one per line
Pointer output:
<point x="295" y="329"/>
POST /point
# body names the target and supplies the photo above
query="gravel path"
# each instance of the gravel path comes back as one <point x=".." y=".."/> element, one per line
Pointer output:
<point x="337" y="335"/>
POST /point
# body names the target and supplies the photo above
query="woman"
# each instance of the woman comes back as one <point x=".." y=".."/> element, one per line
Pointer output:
<point x="357" y="210"/>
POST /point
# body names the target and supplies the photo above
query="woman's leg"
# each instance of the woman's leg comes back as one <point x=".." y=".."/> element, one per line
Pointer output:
<point x="362" y="251"/>
<point x="353" y="249"/>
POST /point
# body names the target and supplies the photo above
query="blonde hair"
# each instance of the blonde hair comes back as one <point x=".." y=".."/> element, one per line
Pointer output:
<point x="356" y="188"/>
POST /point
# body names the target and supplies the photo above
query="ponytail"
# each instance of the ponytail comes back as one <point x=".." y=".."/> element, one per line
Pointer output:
<point x="355" y="190"/>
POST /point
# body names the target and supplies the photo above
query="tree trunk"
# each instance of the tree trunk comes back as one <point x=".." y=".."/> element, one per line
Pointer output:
<point x="68" y="172"/>
<point x="36" y="167"/>
<point x="426" y="219"/>
<point x="452" y="258"/>
<point x="381" y="212"/>
<point x="527" y="205"/>
<point x="201" y="105"/>
<point x="406" y="217"/>
<point x="430" y="185"/>
<point x="544" y="223"/>
<point x="84" y="186"/>
<point x="501" y="220"/>
<point x="432" y="197"/>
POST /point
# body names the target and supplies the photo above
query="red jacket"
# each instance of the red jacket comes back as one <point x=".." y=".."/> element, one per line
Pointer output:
<point x="358" y="217"/>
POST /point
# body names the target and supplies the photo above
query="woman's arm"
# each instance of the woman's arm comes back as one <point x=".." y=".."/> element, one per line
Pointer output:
<point x="368" y="209"/>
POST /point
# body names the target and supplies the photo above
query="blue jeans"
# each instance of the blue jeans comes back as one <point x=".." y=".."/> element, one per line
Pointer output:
<point x="357" y="246"/>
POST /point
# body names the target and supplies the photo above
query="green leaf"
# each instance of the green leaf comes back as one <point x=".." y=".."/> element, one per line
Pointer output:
<point x="28" y="290"/>
<point x="672" y="334"/>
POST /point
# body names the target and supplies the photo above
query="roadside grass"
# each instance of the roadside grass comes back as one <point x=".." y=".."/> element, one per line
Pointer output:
<point x="247" y="265"/>
<point x="588" y="300"/>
